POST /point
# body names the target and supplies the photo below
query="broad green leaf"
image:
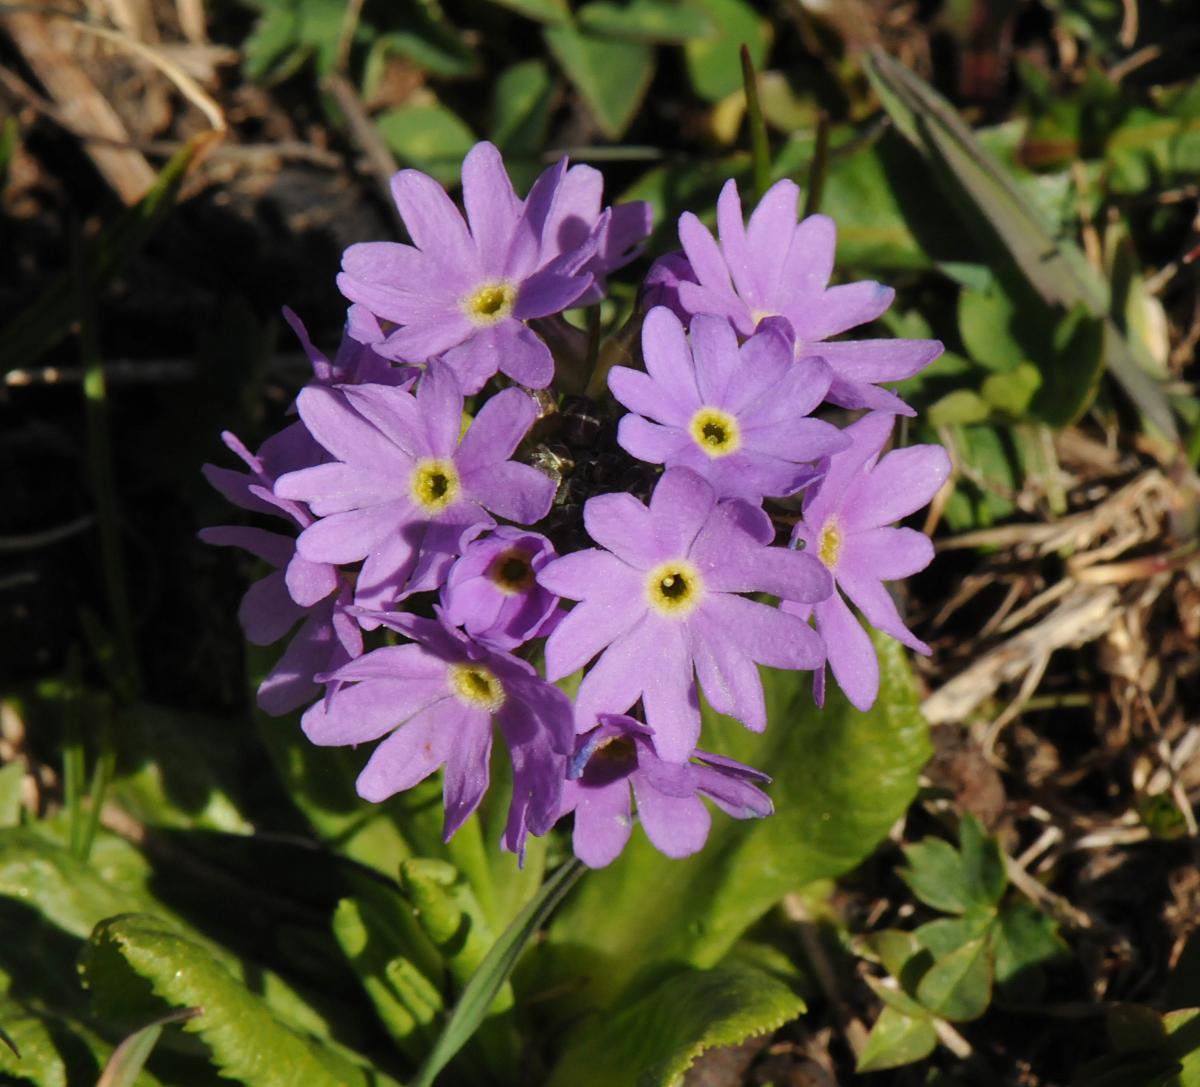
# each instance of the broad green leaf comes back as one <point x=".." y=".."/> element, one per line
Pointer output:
<point x="892" y="947"/>
<point x="291" y="31"/>
<point x="985" y="323"/>
<point x="124" y="1067"/>
<point x="522" y="98"/>
<point x="983" y="863"/>
<point x="841" y="778"/>
<point x="714" y="62"/>
<point x="11" y="777"/>
<point x="404" y="998"/>
<point x="894" y="996"/>
<point x="428" y="38"/>
<point x="1133" y="1027"/>
<point x="480" y="993"/>
<point x="1184" y="1029"/>
<point x="1071" y="376"/>
<point x="645" y="20"/>
<point x="551" y="12"/>
<point x="959" y="986"/>
<point x="430" y="138"/>
<point x="1024" y="938"/>
<point x="36" y="1058"/>
<point x="248" y="1042"/>
<point x="896" y="1040"/>
<point x="1004" y="223"/>
<point x="611" y="76"/>
<point x="44" y="323"/>
<point x="983" y="499"/>
<point x="1012" y="392"/>
<point x="935" y="875"/>
<point x="950" y="933"/>
<point x="652" y="1040"/>
<point x="957" y="408"/>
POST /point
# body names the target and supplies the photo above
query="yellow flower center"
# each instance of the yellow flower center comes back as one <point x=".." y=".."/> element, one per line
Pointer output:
<point x="511" y="571"/>
<point x="490" y="304"/>
<point x="674" y="588"/>
<point x="435" y="484"/>
<point x="476" y="686"/>
<point x="716" y="432"/>
<point x="830" y="544"/>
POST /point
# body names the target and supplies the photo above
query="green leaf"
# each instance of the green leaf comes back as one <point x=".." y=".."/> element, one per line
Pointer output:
<point x="1013" y="392"/>
<point x="896" y="1040"/>
<point x="985" y="323"/>
<point x="11" y="777"/>
<point x="653" y="1040"/>
<point x="957" y="880"/>
<point x="429" y="138"/>
<point x="950" y="933"/>
<point x="714" y="62"/>
<point x="427" y="38"/>
<point x="1184" y="1029"/>
<point x="892" y="947"/>
<point x="1072" y="374"/>
<point x="842" y="777"/>
<point x="248" y="1042"/>
<point x="493" y="972"/>
<point x="611" y="76"/>
<point x="522" y="98"/>
<point x="1134" y="1027"/>
<point x="291" y="31"/>
<point x="41" y="325"/>
<point x="124" y="1067"/>
<point x="1025" y="938"/>
<point x="645" y="20"/>
<point x="958" y="408"/>
<point x="959" y="986"/>
<point x="31" y="1055"/>
<point x="983" y="863"/>
<point x="551" y="12"/>
<point x="1008" y="225"/>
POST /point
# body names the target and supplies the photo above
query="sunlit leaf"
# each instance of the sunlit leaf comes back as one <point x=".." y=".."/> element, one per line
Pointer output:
<point x="896" y="1040"/>
<point x="714" y="62"/>
<point x="611" y="76"/>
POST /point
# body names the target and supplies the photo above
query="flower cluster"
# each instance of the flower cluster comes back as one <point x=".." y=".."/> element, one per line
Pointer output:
<point x="437" y="486"/>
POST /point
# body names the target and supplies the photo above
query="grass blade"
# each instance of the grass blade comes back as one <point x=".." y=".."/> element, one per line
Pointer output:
<point x="477" y="997"/>
<point x="1008" y="225"/>
<point x="127" y="1060"/>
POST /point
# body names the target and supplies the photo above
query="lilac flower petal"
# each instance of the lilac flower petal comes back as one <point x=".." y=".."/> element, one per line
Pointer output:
<point x="309" y="582"/>
<point x="730" y="786"/>
<point x="267" y="611"/>
<point x="271" y="547"/>
<point x="614" y="682"/>
<point x="661" y="286"/>
<point x="517" y="352"/>
<point x="395" y="414"/>
<point x="669" y="690"/>
<point x="732" y="230"/>
<point x="623" y="525"/>
<point x="850" y="653"/>
<point x="439" y="405"/>
<point x="719" y="367"/>
<point x="880" y="360"/>
<point x="492" y="207"/>
<point x="341" y="430"/>
<point x="367" y="711"/>
<point x="586" y="629"/>
<point x="729" y="678"/>
<point x="650" y="442"/>
<point x="809" y="262"/>
<point x="234" y="488"/>
<point x="889" y="553"/>
<point x="410" y="754"/>
<point x="422" y="340"/>
<point x="466" y="778"/>
<point x="313" y="648"/>
<point x="798" y="389"/>
<point x="544" y="195"/>
<point x="547" y="292"/>
<point x="348" y="537"/>
<point x="694" y="298"/>
<point x="902" y="482"/>
<point x="855" y="395"/>
<point x="387" y="567"/>
<point x="765" y="634"/>
<point x="704" y="255"/>
<point x="629" y="226"/>
<point x="679" y="507"/>
<point x="517" y="492"/>
<point x="862" y="586"/>
<point x="869" y="435"/>
<point x="842" y="307"/>
<point x="410" y="663"/>
<point x="780" y="571"/>
<point x="337" y="487"/>
<point x="433" y="222"/>
<point x="497" y="430"/>
<point x="668" y="358"/>
<point x="592" y="574"/>
<point x="639" y="392"/>
<point x="676" y="826"/>
<point x="770" y="232"/>
<point x="603" y="821"/>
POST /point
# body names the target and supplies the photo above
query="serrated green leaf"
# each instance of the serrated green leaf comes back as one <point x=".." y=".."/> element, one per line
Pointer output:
<point x="480" y="993"/>
<point x="714" y="62"/>
<point x="645" y="20"/>
<point x="248" y="1042"/>
<point x="611" y="76"/>
<point x="959" y="986"/>
<point x="429" y="138"/>
<point x="842" y="777"/>
<point x="1012" y="227"/>
<point x="896" y="1040"/>
<point x="653" y="1040"/>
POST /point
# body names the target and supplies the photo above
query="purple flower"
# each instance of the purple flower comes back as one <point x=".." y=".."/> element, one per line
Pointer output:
<point x="844" y="526"/>
<point x="297" y="588"/>
<point x="774" y="267"/>
<point x="356" y="362"/>
<point x="660" y="604"/>
<point x="492" y="590"/>
<point x="465" y="292"/>
<point x="733" y="415"/>
<point x="402" y="489"/>
<point x="575" y="218"/>
<point x="436" y="701"/>
<point x="617" y="756"/>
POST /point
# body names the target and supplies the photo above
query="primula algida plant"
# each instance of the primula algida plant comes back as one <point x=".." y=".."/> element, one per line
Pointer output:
<point x="721" y="526"/>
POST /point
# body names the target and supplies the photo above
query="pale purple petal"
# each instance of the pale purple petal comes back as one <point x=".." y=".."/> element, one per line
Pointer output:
<point x="668" y="358"/>
<point x="901" y="483"/>
<point x="341" y="430"/>
<point x="738" y="257"/>
<point x="603" y="820"/>
<point x="770" y="233"/>
<point x="623" y="525"/>
<point x="640" y="393"/>
<point x="866" y="590"/>
<point x="850" y="653"/>
<point x="367" y="711"/>
<point x="492" y="207"/>
<point x="348" y="537"/>
<point x="496" y="430"/>
<point x="433" y="222"/>
<point x="309" y="582"/>
<point x="879" y="360"/>
<point x="466" y="778"/>
<point x="669" y="689"/>
<point x="410" y="754"/>
<point x="676" y="825"/>
<point x="720" y="367"/>
<point x="729" y="678"/>
<point x="650" y="442"/>
<point x="839" y="308"/>
<point x="765" y="634"/>
<point x="267" y="611"/>
<point x="679" y="507"/>
<point x="888" y="553"/>
<point x="809" y="262"/>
